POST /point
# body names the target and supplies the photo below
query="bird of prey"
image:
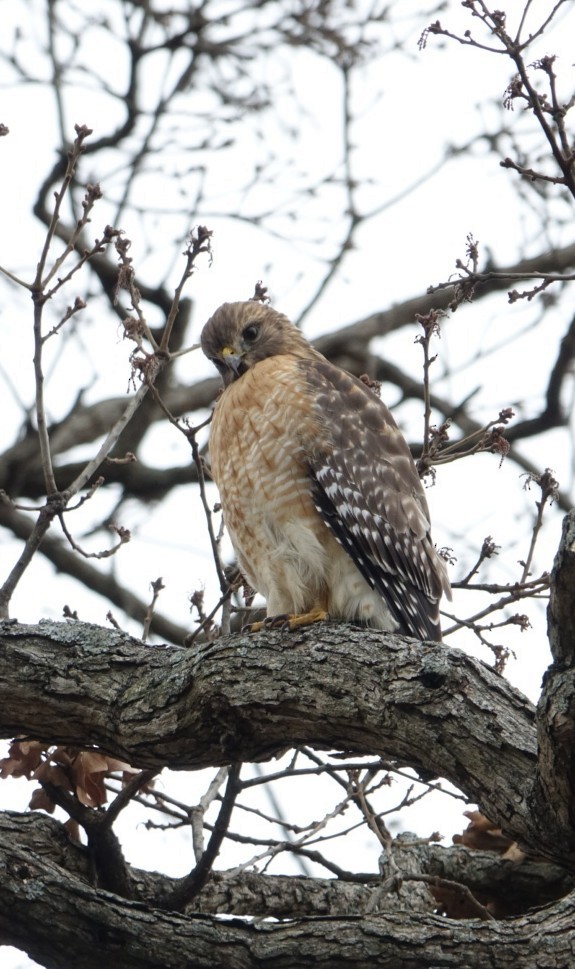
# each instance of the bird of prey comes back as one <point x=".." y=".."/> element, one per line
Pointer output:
<point x="319" y="491"/>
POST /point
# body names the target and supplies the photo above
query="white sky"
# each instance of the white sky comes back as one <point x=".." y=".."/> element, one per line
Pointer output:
<point x="409" y="107"/>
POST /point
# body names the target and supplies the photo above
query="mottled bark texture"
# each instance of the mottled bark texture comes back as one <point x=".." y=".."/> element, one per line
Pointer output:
<point x="247" y="698"/>
<point x="54" y="914"/>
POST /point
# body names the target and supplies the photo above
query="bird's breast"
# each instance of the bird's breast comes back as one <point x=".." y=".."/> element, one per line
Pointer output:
<point x="263" y="427"/>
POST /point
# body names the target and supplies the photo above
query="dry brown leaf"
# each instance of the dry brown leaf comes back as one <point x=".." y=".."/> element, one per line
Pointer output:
<point x="53" y="774"/>
<point x="23" y="758"/>
<point x="481" y="834"/>
<point x="41" y="802"/>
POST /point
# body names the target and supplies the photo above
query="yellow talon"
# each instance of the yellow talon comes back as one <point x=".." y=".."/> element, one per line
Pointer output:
<point x="289" y="621"/>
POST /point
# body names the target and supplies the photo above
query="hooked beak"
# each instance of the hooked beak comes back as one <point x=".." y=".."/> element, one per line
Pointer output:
<point x="232" y="359"/>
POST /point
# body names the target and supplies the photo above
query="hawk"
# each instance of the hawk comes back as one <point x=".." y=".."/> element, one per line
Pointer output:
<point x="319" y="491"/>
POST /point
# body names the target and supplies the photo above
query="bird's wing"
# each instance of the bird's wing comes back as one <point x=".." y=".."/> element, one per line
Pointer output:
<point x="367" y="490"/>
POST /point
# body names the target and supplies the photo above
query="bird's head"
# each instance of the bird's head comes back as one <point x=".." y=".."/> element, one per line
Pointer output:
<point x="239" y="335"/>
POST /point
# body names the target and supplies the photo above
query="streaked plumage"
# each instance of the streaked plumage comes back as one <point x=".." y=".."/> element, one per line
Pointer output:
<point x="319" y="491"/>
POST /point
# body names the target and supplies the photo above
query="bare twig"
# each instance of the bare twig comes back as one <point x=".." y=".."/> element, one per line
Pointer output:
<point x="193" y="883"/>
<point x="549" y="489"/>
<point x="41" y="280"/>
<point x="157" y="585"/>
<point x="197" y="813"/>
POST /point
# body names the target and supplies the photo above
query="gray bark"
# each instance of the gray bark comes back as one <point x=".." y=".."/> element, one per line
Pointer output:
<point x="514" y="886"/>
<point x="62" y="921"/>
<point x="247" y="698"/>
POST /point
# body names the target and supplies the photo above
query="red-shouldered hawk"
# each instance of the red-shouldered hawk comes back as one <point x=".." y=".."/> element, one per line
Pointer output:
<point x="319" y="491"/>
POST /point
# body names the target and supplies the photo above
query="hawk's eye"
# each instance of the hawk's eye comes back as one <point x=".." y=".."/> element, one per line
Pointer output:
<point x="251" y="333"/>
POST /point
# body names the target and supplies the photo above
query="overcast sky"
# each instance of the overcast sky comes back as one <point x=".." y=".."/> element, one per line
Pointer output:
<point x="409" y="105"/>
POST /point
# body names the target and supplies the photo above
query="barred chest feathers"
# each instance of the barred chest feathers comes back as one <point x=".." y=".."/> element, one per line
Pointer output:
<point x="263" y="430"/>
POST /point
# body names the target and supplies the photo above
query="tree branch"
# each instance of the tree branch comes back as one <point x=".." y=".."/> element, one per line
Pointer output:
<point x="515" y="887"/>
<point x="553" y="795"/>
<point x="344" y="688"/>
<point x="192" y="884"/>
<point x="127" y="935"/>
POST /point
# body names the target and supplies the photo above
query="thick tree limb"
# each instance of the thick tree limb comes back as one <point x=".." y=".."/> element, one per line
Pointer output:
<point x="247" y="698"/>
<point x="554" y="792"/>
<point x="561" y="612"/>
<point x="333" y="686"/>
<point x="121" y="934"/>
<point x="514" y="887"/>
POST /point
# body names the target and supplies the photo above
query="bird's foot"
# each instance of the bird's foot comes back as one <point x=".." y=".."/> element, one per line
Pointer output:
<point x="287" y="621"/>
